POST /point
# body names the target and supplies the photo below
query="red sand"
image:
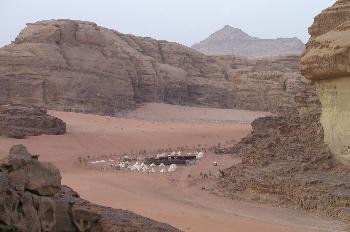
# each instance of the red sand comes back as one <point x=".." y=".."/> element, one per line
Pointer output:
<point x="168" y="198"/>
<point x="96" y="136"/>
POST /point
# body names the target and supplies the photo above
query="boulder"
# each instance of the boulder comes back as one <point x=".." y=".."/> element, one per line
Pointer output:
<point x="33" y="199"/>
<point x="27" y="173"/>
<point x="19" y="121"/>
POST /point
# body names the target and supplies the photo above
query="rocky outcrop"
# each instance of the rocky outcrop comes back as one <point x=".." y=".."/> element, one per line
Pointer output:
<point x="286" y="162"/>
<point x="19" y="121"/>
<point x="294" y="160"/>
<point x="307" y="101"/>
<point x="326" y="61"/>
<point x="234" y="41"/>
<point x="79" y="66"/>
<point x="33" y="200"/>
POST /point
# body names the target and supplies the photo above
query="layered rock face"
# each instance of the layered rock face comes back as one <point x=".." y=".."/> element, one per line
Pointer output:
<point x="32" y="199"/>
<point x="326" y="61"/>
<point x="234" y="41"/>
<point x="286" y="162"/>
<point x="79" y="66"/>
<point x="19" y="121"/>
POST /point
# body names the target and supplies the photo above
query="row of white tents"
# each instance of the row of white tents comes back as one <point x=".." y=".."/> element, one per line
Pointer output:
<point x="142" y="167"/>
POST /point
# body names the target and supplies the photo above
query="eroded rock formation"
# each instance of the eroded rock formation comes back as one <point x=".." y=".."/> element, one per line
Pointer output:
<point x="286" y="162"/>
<point x="19" y="121"/>
<point x="294" y="160"/>
<point x="234" y="41"/>
<point x="326" y="61"/>
<point x="79" y="66"/>
<point x="32" y="199"/>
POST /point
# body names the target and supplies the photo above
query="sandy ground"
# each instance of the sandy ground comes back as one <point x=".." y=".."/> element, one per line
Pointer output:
<point x="179" y="198"/>
<point x="162" y="112"/>
<point x="188" y="208"/>
<point x="91" y="135"/>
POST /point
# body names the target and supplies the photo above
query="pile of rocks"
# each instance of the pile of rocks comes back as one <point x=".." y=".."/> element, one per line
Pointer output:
<point x="33" y="199"/>
<point x="19" y="121"/>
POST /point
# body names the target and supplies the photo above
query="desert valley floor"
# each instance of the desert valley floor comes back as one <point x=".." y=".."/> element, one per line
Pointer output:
<point x="179" y="198"/>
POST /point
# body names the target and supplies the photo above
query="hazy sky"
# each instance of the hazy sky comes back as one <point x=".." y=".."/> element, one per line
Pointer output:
<point x="183" y="21"/>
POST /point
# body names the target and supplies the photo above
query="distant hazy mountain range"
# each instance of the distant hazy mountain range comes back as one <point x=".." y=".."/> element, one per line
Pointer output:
<point x="234" y="41"/>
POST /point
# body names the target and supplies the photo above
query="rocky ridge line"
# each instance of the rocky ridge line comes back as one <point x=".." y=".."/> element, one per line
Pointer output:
<point x="78" y="66"/>
<point x="234" y="41"/>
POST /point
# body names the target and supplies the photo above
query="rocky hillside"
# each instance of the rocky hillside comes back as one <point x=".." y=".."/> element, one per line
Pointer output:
<point x="234" y="41"/>
<point x="326" y="61"/>
<point x="79" y="66"/>
<point x="285" y="160"/>
<point x="33" y="199"/>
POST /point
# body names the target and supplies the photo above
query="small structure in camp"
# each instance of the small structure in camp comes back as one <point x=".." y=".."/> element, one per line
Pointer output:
<point x="169" y="160"/>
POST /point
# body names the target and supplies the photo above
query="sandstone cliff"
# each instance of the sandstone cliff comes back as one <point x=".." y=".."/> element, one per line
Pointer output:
<point x="326" y="61"/>
<point x="285" y="159"/>
<point x="234" y="41"/>
<point x="79" y="66"/>
<point x="32" y="199"/>
<point x="286" y="162"/>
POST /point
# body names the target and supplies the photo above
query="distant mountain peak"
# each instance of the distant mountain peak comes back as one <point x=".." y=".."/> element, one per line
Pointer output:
<point x="234" y="41"/>
<point x="229" y="33"/>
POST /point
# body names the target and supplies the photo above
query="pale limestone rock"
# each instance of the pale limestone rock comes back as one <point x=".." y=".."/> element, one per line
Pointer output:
<point x="326" y="60"/>
<point x="334" y="96"/>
